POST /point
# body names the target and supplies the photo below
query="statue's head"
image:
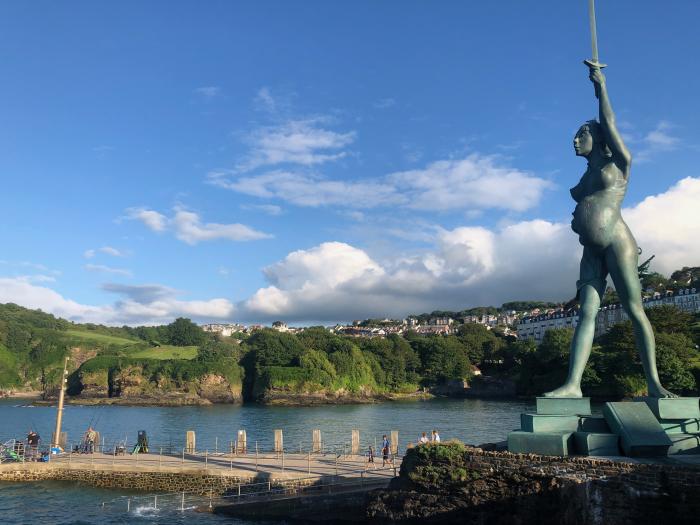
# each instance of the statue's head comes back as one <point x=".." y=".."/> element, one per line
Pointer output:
<point x="590" y="137"/>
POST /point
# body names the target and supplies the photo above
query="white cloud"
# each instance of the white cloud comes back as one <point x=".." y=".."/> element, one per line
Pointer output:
<point x="108" y="250"/>
<point x="107" y="269"/>
<point x="265" y="100"/>
<point x="269" y="209"/>
<point x="384" y="103"/>
<point x="474" y="182"/>
<point x="188" y="227"/>
<point x="468" y="266"/>
<point x="667" y="225"/>
<point x="152" y="219"/>
<point x="208" y="92"/>
<point x="147" y="304"/>
<point x="309" y="189"/>
<point x="659" y="140"/>
<point x="302" y="142"/>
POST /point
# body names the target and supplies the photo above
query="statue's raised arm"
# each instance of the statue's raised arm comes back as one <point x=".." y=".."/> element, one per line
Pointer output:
<point x="620" y="154"/>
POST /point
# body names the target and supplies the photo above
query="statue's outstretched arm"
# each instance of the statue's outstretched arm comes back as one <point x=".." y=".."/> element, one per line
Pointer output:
<point x="621" y="155"/>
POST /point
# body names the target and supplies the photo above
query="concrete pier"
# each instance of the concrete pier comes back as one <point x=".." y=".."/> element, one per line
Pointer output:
<point x="202" y="473"/>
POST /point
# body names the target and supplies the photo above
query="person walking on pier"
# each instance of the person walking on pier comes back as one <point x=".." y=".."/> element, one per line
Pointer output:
<point x="370" y="455"/>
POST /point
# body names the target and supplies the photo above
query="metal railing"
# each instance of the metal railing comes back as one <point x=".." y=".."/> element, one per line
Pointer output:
<point x="253" y="492"/>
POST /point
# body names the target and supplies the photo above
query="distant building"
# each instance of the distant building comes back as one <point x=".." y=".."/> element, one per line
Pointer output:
<point x="441" y="321"/>
<point x="534" y="327"/>
<point x="226" y="330"/>
<point x="280" y="326"/>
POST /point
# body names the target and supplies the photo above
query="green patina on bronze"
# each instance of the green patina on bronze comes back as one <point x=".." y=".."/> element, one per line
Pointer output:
<point x="608" y="245"/>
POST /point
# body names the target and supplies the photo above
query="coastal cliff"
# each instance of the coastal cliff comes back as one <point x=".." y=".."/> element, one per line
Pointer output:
<point x="149" y="382"/>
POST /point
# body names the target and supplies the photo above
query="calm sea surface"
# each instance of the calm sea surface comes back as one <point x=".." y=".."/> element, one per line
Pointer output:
<point x="471" y="421"/>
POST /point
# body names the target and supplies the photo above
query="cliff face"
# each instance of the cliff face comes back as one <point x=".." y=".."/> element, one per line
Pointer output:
<point x="133" y="384"/>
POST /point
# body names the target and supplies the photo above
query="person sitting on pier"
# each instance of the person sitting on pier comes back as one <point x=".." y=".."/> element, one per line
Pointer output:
<point x="435" y="437"/>
<point x="32" y="443"/>
<point x="423" y="439"/>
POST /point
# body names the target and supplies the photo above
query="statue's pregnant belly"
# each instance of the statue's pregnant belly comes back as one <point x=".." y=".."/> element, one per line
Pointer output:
<point x="595" y="219"/>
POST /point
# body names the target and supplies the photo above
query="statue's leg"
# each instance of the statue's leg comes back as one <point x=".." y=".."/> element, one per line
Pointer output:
<point x="591" y="287"/>
<point x="622" y="259"/>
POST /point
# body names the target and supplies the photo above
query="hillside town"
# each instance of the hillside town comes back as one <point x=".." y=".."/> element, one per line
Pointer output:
<point x="526" y="324"/>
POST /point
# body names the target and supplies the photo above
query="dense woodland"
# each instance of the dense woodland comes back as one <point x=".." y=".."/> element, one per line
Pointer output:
<point x="33" y="345"/>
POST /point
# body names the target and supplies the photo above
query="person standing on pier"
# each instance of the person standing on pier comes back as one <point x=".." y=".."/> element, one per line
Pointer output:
<point x="385" y="450"/>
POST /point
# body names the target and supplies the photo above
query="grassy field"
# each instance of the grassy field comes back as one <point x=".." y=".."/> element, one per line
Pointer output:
<point x="167" y="352"/>
<point x="94" y="337"/>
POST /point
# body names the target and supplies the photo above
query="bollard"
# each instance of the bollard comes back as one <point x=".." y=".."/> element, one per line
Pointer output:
<point x="216" y="445"/>
<point x="309" y="461"/>
<point x="256" y="458"/>
<point x="316" y="443"/>
<point x="231" y="464"/>
<point x="269" y="486"/>
<point x="210" y="498"/>
<point x="279" y="441"/>
<point x="336" y="466"/>
<point x="128" y="504"/>
<point x="239" y="490"/>
<point x="206" y="459"/>
<point x="160" y="457"/>
<point x="182" y="503"/>
<point x="155" y="502"/>
<point x="355" y="442"/>
<point x="183" y="456"/>
<point x="282" y="460"/>
<point x="190" y="441"/>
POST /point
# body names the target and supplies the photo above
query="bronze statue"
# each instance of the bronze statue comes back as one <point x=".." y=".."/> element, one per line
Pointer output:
<point x="608" y="244"/>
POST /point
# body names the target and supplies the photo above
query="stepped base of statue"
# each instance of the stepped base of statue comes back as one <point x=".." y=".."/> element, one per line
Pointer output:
<point x="645" y="427"/>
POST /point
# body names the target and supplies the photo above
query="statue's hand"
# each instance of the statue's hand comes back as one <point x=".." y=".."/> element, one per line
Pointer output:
<point x="596" y="76"/>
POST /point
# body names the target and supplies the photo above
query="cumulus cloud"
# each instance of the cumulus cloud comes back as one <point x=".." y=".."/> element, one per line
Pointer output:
<point x="473" y="182"/>
<point x="146" y="304"/>
<point x="188" y="226"/>
<point x="468" y="266"/>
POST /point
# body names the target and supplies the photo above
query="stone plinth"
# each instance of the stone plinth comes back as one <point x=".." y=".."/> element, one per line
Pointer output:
<point x="674" y="407"/>
<point x="564" y="406"/>
<point x="640" y="432"/>
<point x="548" y="423"/>
<point x="545" y="443"/>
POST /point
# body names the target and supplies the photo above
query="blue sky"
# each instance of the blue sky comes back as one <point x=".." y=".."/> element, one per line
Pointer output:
<point x="322" y="161"/>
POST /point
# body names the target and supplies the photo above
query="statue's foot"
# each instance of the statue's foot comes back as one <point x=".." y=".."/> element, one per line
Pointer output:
<point x="659" y="391"/>
<point x="565" y="391"/>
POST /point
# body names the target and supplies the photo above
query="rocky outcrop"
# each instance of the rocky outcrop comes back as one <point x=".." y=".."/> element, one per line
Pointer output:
<point x="453" y="483"/>
<point x="131" y="385"/>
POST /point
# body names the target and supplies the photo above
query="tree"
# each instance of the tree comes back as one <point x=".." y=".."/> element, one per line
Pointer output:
<point x="443" y="358"/>
<point x="668" y="319"/>
<point x="183" y="332"/>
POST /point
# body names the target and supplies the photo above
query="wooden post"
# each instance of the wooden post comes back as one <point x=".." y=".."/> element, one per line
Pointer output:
<point x="355" y="443"/>
<point x="316" y="443"/>
<point x="242" y="442"/>
<point x="190" y="441"/>
<point x="394" y="442"/>
<point x="59" y="411"/>
<point x="279" y="440"/>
